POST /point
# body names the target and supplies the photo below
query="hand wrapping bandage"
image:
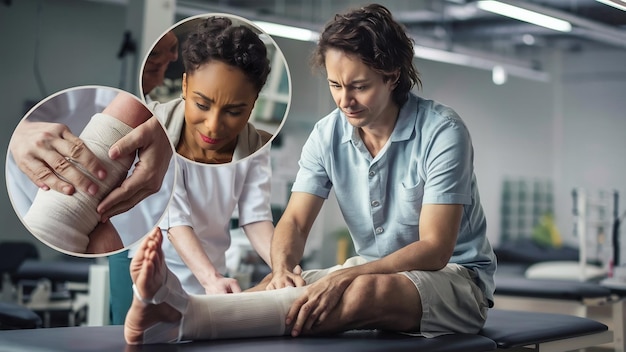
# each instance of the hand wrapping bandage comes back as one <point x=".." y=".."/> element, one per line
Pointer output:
<point x="65" y="221"/>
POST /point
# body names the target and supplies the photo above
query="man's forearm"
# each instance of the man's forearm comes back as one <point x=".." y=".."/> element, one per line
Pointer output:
<point x="287" y="247"/>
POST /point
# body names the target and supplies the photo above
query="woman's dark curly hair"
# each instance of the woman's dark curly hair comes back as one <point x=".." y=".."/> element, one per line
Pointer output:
<point x="215" y="38"/>
<point x="377" y="40"/>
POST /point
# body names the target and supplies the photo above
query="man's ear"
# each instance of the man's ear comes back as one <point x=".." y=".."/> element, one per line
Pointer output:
<point x="396" y="78"/>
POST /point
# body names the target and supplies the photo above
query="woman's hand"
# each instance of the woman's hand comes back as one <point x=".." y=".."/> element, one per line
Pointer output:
<point x="154" y="149"/>
<point x="42" y="149"/>
<point x="222" y="285"/>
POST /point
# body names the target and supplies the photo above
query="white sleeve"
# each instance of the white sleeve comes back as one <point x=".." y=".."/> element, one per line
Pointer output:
<point x="178" y="212"/>
<point x="254" y="202"/>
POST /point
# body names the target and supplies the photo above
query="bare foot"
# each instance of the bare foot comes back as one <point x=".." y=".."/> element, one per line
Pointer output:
<point x="148" y="272"/>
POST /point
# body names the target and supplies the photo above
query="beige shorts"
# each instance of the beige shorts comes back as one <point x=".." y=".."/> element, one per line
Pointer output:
<point x="451" y="300"/>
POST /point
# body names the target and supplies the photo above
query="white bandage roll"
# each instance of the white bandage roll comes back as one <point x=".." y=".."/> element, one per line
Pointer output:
<point x="65" y="221"/>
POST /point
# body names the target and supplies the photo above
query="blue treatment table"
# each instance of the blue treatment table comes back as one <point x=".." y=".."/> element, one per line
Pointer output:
<point x="584" y="294"/>
<point x="15" y="316"/>
<point x="550" y="289"/>
<point x="110" y="338"/>
<point x="504" y="330"/>
<point x="543" y="331"/>
<point x="74" y="270"/>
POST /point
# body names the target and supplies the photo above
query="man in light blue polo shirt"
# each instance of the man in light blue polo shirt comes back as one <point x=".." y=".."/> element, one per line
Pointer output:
<point x="402" y="170"/>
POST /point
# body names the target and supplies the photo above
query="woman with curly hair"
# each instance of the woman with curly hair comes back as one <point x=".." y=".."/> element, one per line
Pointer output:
<point x="226" y="66"/>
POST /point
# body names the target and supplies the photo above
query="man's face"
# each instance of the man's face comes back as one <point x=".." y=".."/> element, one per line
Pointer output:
<point x="164" y="52"/>
<point x="360" y="92"/>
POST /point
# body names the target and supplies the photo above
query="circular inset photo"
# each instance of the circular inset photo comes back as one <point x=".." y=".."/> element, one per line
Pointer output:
<point x="220" y="86"/>
<point x="90" y="171"/>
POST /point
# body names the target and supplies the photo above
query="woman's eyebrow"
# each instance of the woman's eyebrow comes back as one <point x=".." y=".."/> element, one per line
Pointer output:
<point x="228" y="106"/>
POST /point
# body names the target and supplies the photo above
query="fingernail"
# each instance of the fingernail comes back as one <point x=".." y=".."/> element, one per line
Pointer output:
<point x="66" y="189"/>
<point x="102" y="174"/>
<point x="294" y="333"/>
<point x="93" y="189"/>
<point x="287" y="321"/>
<point x="45" y="188"/>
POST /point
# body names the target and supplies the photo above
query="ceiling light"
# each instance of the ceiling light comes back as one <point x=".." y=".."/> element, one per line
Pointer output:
<point x="619" y="4"/>
<point x="528" y="39"/>
<point x="525" y="15"/>
<point x="498" y="75"/>
<point x="503" y="70"/>
<point x="289" y="32"/>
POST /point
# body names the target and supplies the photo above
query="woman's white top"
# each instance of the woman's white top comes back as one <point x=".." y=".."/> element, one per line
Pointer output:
<point x="207" y="196"/>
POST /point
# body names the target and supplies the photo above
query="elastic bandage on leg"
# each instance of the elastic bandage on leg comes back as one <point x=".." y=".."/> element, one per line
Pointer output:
<point x="248" y="314"/>
<point x="65" y="221"/>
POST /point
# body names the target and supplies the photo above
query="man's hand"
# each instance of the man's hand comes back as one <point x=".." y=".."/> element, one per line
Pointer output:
<point x="41" y="150"/>
<point x="318" y="301"/>
<point x="282" y="278"/>
<point x="155" y="151"/>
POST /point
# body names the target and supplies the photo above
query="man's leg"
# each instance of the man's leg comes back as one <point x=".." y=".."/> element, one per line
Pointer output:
<point x="378" y="301"/>
<point x="390" y="302"/>
<point x="249" y="314"/>
<point x="431" y="303"/>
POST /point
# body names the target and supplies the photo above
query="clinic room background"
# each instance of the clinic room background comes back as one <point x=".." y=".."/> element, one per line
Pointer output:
<point x="545" y="137"/>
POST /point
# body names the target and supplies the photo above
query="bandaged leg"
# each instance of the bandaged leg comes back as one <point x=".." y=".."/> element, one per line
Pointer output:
<point x="202" y="317"/>
<point x="248" y="314"/>
<point x="65" y="221"/>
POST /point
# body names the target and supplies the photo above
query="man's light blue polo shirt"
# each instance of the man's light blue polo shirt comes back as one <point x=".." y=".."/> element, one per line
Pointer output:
<point x="427" y="160"/>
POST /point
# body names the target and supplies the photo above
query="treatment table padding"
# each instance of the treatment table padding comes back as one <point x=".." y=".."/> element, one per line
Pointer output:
<point x="555" y="289"/>
<point x="511" y="329"/>
<point x="14" y="316"/>
<point x="110" y="338"/>
<point x="75" y="270"/>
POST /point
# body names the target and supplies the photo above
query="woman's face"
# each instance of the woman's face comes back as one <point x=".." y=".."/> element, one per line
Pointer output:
<point x="218" y="103"/>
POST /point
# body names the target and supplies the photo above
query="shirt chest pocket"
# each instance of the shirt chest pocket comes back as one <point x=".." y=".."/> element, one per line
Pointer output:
<point x="410" y="203"/>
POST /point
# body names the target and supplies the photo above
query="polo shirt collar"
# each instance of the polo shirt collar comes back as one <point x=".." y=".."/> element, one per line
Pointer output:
<point x="406" y="120"/>
<point x="403" y="129"/>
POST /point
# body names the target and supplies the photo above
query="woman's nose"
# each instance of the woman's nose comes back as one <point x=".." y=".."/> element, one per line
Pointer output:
<point x="212" y="121"/>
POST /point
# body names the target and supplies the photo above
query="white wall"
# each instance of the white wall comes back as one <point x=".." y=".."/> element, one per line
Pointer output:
<point x="592" y="130"/>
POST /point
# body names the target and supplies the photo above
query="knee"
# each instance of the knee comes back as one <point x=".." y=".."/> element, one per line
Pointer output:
<point x="383" y="300"/>
<point x="364" y="290"/>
